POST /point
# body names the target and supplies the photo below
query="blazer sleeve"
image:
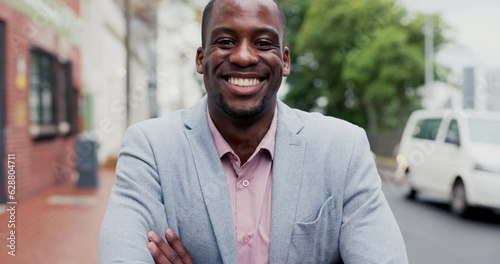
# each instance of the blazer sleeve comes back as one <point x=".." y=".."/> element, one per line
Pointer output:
<point x="135" y="205"/>
<point x="369" y="232"/>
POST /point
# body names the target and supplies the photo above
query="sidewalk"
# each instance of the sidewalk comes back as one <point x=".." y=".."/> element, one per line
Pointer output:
<point x="60" y="225"/>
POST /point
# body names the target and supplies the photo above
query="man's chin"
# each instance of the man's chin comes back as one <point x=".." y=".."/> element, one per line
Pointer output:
<point x="239" y="110"/>
<point x="242" y="113"/>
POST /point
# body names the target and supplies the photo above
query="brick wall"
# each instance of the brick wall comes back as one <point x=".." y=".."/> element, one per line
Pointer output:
<point x="40" y="164"/>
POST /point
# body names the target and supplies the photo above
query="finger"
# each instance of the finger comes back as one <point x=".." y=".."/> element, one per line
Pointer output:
<point x="165" y="248"/>
<point x="178" y="246"/>
<point x="157" y="254"/>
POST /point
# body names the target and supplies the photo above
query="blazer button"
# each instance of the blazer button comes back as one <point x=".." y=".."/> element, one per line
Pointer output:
<point x="245" y="183"/>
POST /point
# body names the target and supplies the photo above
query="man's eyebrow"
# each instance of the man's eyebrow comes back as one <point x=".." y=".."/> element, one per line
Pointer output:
<point x="270" y="31"/>
<point x="221" y="30"/>
<point x="231" y="31"/>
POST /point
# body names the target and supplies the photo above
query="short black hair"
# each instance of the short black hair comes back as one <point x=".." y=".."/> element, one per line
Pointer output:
<point x="207" y="14"/>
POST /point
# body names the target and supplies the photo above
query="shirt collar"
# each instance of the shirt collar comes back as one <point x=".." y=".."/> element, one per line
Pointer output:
<point x="267" y="142"/>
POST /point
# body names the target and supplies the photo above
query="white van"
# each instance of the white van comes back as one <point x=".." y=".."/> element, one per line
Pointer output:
<point x="454" y="155"/>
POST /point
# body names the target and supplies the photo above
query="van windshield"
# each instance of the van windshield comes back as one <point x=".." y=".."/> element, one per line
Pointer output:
<point x="485" y="131"/>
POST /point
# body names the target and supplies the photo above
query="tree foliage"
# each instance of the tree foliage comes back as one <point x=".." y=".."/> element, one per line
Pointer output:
<point x="364" y="58"/>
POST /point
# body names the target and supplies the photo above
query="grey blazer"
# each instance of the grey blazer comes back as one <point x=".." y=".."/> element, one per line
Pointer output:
<point x="327" y="203"/>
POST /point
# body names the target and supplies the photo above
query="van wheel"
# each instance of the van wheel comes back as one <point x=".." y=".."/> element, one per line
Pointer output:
<point x="458" y="200"/>
<point x="411" y="194"/>
<point x="409" y="191"/>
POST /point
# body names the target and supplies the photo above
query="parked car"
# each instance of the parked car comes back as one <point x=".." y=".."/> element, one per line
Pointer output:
<point x="454" y="155"/>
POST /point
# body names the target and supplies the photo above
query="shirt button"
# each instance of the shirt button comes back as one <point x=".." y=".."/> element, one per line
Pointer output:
<point x="246" y="239"/>
<point x="245" y="183"/>
<point x="235" y="158"/>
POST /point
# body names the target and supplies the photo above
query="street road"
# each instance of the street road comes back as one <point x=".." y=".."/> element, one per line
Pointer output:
<point x="433" y="235"/>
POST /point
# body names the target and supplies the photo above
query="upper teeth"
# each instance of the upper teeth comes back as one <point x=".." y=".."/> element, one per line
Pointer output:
<point x="243" y="82"/>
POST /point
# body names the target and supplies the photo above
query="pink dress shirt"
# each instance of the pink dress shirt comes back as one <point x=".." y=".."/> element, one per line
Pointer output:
<point x="250" y="193"/>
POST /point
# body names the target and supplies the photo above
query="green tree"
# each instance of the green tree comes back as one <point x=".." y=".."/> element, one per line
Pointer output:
<point x="365" y="57"/>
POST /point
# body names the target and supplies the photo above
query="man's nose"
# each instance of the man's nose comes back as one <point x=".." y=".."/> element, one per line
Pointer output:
<point x="244" y="55"/>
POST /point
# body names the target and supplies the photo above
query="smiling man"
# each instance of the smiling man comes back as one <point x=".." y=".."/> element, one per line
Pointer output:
<point x="241" y="177"/>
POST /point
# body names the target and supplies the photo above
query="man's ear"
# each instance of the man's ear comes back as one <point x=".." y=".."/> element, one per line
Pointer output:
<point x="286" y="61"/>
<point x="199" y="60"/>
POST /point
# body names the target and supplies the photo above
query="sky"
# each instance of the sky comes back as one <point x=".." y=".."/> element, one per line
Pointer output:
<point x="475" y="31"/>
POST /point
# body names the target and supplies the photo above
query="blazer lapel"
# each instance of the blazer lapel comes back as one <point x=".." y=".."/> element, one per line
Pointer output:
<point x="287" y="174"/>
<point x="212" y="180"/>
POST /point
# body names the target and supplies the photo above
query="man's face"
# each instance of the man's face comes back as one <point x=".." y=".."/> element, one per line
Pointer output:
<point x="244" y="59"/>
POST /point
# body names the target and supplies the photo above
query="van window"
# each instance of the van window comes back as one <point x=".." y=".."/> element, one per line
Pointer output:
<point x="485" y="131"/>
<point x="427" y="128"/>
<point x="453" y="133"/>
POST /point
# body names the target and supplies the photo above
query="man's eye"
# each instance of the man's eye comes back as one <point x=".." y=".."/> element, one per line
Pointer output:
<point x="225" y="43"/>
<point x="263" y="44"/>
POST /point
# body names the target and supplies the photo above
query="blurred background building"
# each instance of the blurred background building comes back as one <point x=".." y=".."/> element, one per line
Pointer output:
<point x="471" y="47"/>
<point x="119" y="45"/>
<point x="72" y="66"/>
<point x="164" y="36"/>
<point x="493" y="84"/>
<point x="40" y="88"/>
<point x="63" y="69"/>
<point x="179" y="85"/>
<point x="474" y="88"/>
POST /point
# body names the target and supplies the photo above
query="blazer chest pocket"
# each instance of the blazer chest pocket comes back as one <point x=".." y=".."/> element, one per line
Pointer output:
<point x="315" y="240"/>
<point x="311" y="224"/>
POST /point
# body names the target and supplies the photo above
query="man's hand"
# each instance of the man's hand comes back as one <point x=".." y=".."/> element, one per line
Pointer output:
<point x="172" y="252"/>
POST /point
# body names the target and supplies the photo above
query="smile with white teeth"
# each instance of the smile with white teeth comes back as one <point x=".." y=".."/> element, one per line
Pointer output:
<point x="243" y="82"/>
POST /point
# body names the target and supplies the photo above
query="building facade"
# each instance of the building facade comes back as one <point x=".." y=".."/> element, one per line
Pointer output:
<point x="493" y="84"/>
<point x="40" y="84"/>
<point x="179" y="35"/>
<point x="105" y="69"/>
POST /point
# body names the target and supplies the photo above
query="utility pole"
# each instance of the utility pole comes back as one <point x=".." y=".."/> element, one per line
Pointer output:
<point x="127" y="61"/>
<point x="429" y="51"/>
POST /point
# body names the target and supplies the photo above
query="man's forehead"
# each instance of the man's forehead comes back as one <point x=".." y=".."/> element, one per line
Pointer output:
<point x="246" y="4"/>
<point x="241" y="8"/>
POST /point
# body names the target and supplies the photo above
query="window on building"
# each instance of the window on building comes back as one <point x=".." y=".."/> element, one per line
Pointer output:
<point x="42" y="89"/>
<point x="53" y="97"/>
<point x="66" y="99"/>
<point x="70" y="98"/>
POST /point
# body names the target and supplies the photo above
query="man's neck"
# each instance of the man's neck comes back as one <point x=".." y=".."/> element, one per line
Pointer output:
<point x="242" y="135"/>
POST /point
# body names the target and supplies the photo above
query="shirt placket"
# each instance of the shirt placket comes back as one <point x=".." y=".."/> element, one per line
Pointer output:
<point x="245" y="221"/>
